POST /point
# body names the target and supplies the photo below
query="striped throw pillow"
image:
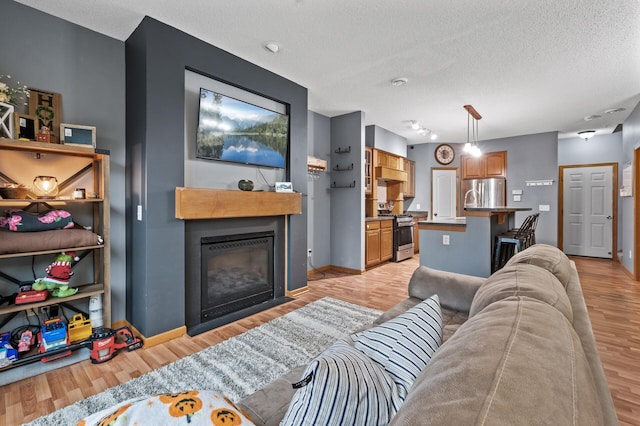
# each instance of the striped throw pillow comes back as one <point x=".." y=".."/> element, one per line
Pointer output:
<point x="344" y="387"/>
<point x="404" y="345"/>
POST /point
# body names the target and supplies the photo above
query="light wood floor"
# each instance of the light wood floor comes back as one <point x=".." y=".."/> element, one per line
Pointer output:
<point x="612" y="298"/>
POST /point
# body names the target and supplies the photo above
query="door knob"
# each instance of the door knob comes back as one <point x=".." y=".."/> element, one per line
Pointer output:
<point x="609" y="217"/>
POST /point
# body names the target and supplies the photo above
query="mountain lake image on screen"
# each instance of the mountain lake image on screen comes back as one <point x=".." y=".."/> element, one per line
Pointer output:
<point x="240" y="132"/>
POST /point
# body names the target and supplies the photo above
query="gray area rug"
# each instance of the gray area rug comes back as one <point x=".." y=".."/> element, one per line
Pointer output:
<point x="238" y="366"/>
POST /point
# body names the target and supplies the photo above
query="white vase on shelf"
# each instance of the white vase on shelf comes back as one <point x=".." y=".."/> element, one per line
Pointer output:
<point x="6" y="120"/>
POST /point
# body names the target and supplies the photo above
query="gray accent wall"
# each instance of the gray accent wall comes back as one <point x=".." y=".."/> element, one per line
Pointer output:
<point x="88" y="70"/>
<point x="157" y="56"/>
<point x="347" y="204"/>
<point x="318" y="193"/>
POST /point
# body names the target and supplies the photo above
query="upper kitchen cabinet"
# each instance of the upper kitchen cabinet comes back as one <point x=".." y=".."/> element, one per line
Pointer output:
<point x="410" y="184"/>
<point x="389" y="167"/>
<point x="368" y="175"/>
<point x="490" y="164"/>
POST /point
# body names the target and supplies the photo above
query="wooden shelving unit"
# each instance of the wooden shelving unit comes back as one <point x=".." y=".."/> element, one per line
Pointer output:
<point x="20" y="162"/>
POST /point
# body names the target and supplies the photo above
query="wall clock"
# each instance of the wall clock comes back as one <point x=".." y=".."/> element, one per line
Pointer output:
<point x="444" y="154"/>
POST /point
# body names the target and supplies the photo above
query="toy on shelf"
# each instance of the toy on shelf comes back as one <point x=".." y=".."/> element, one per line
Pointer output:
<point x="58" y="274"/>
<point x="27" y="294"/>
<point x="7" y="352"/>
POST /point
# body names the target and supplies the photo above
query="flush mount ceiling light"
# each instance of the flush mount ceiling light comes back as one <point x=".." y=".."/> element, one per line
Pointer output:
<point x="592" y="117"/>
<point x="272" y="46"/>
<point x="473" y="117"/>
<point x="614" y="110"/>
<point x="586" y="134"/>
<point x="401" y="81"/>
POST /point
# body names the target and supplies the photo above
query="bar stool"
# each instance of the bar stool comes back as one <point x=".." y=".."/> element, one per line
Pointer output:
<point x="514" y="241"/>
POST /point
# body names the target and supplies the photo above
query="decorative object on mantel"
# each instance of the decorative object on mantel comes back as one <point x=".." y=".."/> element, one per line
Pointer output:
<point x="284" y="187"/>
<point x="471" y="146"/>
<point x="245" y="185"/>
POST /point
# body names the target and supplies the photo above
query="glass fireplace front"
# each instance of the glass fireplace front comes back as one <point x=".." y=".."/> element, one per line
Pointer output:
<point x="237" y="272"/>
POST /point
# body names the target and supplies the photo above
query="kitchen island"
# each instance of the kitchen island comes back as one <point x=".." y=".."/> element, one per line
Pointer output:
<point x="465" y="244"/>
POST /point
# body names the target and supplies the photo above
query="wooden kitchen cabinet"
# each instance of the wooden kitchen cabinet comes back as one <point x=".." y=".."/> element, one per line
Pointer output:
<point x="496" y="164"/>
<point x="386" y="240"/>
<point x="491" y="164"/>
<point x="410" y="184"/>
<point x="372" y="243"/>
<point x="368" y="168"/>
<point x="378" y="242"/>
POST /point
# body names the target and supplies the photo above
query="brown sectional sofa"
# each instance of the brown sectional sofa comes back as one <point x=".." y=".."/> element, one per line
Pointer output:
<point x="526" y="355"/>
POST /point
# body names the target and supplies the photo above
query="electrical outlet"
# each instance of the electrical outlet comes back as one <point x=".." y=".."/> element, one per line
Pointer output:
<point x="44" y="310"/>
<point x="445" y="240"/>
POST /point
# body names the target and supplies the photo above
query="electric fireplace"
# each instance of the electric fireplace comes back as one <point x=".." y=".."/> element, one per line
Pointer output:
<point x="237" y="272"/>
<point x="234" y="268"/>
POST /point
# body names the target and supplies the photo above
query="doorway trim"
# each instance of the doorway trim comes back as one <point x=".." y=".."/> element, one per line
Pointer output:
<point x="636" y="211"/>
<point x="614" y="202"/>
<point x="457" y="170"/>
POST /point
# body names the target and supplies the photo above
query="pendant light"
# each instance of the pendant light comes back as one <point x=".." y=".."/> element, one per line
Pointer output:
<point x="471" y="147"/>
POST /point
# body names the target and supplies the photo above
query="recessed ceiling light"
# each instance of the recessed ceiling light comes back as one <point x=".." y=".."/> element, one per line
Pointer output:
<point x="399" y="81"/>
<point x="592" y="117"/>
<point x="614" y="110"/>
<point x="272" y="47"/>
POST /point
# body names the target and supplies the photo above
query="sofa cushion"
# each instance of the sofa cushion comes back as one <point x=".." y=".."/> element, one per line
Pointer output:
<point x="547" y="257"/>
<point x="405" y="344"/>
<point x="345" y="387"/>
<point x="517" y="362"/>
<point x="454" y="290"/>
<point x="522" y="280"/>
<point x="190" y="407"/>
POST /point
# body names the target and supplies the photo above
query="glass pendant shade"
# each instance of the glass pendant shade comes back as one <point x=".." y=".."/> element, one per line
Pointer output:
<point x="45" y="186"/>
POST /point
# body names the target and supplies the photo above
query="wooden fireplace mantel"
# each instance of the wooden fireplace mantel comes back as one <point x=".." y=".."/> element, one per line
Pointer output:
<point x="201" y="203"/>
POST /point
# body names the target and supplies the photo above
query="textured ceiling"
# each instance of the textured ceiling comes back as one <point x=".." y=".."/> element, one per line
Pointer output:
<point x="527" y="67"/>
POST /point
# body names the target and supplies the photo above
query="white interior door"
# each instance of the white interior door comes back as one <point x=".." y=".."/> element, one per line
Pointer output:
<point x="443" y="193"/>
<point x="588" y="211"/>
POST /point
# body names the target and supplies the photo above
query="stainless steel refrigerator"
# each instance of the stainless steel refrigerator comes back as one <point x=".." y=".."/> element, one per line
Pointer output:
<point x="490" y="192"/>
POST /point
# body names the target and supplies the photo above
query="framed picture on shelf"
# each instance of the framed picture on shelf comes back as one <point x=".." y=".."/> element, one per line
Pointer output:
<point x="78" y="135"/>
<point x="25" y="126"/>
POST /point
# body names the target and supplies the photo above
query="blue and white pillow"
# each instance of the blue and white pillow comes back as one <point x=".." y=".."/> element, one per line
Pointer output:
<point x="404" y="345"/>
<point x="345" y="388"/>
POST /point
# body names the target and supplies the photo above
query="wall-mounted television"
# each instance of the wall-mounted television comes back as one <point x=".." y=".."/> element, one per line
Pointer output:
<point x="236" y="131"/>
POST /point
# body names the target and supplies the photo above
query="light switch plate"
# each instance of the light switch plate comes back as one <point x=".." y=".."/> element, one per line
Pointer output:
<point x="516" y="192"/>
<point x="544" y="207"/>
<point x="517" y="197"/>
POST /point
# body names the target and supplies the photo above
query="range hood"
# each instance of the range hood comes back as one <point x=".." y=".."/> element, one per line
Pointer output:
<point x="388" y="174"/>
